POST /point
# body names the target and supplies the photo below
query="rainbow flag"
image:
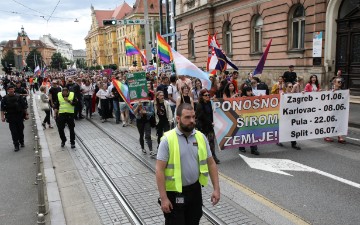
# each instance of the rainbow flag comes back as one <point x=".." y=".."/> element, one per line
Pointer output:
<point x="123" y="90"/>
<point x="163" y="49"/>
<point x="131" y="49"/>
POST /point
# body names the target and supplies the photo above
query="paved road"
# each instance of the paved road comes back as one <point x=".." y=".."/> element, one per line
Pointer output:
<point x="18" y="195"/>
<point x="314" y="197"/>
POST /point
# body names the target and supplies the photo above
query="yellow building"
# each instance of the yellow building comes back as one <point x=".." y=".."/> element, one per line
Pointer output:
<point x="135" y="33"/>
<point x="101" y="46"/>
<point x="105" y="44"/>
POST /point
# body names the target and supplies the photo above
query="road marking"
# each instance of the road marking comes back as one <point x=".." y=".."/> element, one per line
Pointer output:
<point x="265" y="201"/>
<point x="355" y="139"/>
<point x="278" y="165"/>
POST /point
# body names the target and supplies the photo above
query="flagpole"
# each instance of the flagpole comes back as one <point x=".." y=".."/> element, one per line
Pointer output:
<point x="157" y="60"/>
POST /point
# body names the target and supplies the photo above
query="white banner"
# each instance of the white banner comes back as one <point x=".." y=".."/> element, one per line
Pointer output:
<point x="313" y="115"/>
<point x="317" y="44"/>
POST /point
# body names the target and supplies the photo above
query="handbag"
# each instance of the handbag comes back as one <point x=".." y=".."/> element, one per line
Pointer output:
<point x="44" y="106"/>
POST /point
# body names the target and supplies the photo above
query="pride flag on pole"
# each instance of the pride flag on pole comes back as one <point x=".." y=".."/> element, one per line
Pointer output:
<point x="163" y="49"/>
<point x="259" y="68"/>
<point x="123" y="90"/>
<point x="131" y="49"/>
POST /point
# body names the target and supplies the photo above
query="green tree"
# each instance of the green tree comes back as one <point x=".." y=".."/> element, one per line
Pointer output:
<point x="80" y="63"/>
<point x="9" y="58"/>
<point x="57" y="61"/>
<point x="34" y="58"/>
<point x="113" y="66"/>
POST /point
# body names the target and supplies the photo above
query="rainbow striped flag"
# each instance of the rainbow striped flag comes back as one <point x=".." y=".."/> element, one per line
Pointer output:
<point x="123" y="90"/>
<point x="131" y="49"/>
<point x="163" y="49"/>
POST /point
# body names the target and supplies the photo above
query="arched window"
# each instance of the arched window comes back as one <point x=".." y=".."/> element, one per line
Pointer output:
<point x="227" y="38"/>
<point x="191" y="43"/>
<point x="257" y="24"/>
<point x="297" y="20"/>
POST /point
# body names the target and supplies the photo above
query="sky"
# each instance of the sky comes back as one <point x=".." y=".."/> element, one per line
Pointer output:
<point x="34" y="15"/>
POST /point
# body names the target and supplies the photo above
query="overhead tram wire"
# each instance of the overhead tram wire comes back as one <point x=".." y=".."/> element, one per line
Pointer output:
<point x="42" y="16"/>
<point x="29" y="7"/>
<point x="53" y="11"/>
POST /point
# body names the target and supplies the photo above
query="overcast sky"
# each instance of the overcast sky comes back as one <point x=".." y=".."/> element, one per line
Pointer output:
<point x="33" y="15"/>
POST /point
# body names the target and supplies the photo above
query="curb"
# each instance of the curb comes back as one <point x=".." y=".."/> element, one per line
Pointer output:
<point x="354" y="125"/>
<point x="56" y="212"/>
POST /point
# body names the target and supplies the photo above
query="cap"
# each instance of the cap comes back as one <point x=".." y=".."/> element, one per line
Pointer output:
<point x="10" y="86"/>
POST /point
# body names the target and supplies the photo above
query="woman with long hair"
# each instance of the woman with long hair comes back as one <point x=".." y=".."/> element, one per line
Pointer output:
<point x="45" y="107"/>
<point x="196" y="91"/>
<point x="205" y="120"/>
<point x="313" y="84"/>
<point x="298" y="86"/>
<point x="88" y="91"/>
<point x="229" y="91"/>
<point x="163" y="115"/>
<point x="278" y="87"/>
<point x="184" y="96"/>
<point x="220" y="92"/>
<point x="143" y="111"/>
<point x="103" y="95"/>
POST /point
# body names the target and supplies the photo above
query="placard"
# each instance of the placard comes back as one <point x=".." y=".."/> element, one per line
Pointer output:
<point x="246" y="121"/>
<point x="137" y="86"/>
<point x="314" y="115"/>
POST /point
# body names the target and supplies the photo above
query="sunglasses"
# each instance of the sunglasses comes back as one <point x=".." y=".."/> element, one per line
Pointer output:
<point x="206" y="95"/>
<point x="290" y="86"/>
<point x="339" y="82"/>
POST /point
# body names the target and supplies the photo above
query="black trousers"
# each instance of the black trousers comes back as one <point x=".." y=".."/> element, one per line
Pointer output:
<point x="189" y="212"/>
<point x="162" y="127"/>
<point x="78" y="108"/>
<point x="16" y="125"/>
<point x="88" y="104"/>
<point x="66" y="118"/>
<point x="47" y="117"/>
<point x="144" y="127"/>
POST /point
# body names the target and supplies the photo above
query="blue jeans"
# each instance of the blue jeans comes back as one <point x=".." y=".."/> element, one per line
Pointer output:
<point x="116" y="110"/>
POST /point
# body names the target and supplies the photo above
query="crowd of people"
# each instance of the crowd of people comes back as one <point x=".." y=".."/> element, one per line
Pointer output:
<point x="96" y="93"/>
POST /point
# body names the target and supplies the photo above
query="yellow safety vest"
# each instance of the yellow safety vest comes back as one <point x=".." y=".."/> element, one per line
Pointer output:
<point x="65" y="107"/>
<point x="173" y="181"/>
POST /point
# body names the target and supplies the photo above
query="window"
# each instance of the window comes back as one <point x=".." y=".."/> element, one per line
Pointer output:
<point x="257" y="25"/>
<point x="191" y="44"/>
<point x="298" y="28"/>
<point x="227" y="38"/>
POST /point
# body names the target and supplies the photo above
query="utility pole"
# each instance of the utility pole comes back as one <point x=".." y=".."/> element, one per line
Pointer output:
<point x="147" y="33"/>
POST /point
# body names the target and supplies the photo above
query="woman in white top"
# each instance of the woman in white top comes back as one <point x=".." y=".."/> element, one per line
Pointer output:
<point x="195" y="92"/>
<point x="103" y="95"/>
<point x="88" y="91"/>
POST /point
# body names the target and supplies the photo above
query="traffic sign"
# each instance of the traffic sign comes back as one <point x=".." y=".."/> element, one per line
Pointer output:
<point x="153" y="51"/>
<point x="131" y="22"/>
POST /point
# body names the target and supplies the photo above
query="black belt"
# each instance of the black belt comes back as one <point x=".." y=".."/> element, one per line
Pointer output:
<point x="191" y="186"/>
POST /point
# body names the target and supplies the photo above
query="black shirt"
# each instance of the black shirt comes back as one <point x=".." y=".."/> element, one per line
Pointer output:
<point x="289" y="77"/>
<point x="53" y="91"/>
<point x="117" y="96"/>
<point x="161" y="111"/>
<point x="13" y="104"/>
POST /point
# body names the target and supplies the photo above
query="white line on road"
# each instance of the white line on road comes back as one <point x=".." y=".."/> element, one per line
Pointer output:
<point x="355" y="139"/>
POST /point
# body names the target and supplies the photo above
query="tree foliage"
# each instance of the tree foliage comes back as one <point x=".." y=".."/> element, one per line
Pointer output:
<point x="34" y="58"/>
<point x="58" y="61"/>
<point x="80" y="63"/>
<point x="9" y="58"/>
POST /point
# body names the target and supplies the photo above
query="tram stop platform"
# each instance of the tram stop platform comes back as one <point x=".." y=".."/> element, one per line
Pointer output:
<point x="107" y="180"/>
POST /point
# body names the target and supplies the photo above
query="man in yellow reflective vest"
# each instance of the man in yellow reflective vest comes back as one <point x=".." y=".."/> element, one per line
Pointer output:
<point x="64" y="114"/>
<point x="184" y="163"/>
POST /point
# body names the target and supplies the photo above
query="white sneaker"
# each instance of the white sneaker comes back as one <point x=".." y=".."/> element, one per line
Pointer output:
<point x="124" y="124"/>
<point x="153" y="154"/>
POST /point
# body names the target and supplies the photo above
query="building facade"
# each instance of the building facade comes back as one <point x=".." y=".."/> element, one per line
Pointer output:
<point x="61" y="46"/>
<point x="101" y="45"/>
<point x="106" y="44"/>
<point x="23" y="45"/>
<point x="245" y="27"/>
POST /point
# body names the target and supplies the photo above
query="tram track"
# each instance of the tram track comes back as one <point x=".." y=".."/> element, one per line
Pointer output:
<point x="126" y="205"/>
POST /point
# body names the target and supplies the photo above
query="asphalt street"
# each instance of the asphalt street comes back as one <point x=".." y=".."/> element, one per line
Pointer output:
<point x="18" y="194"/>
<point x="317" y="198"/>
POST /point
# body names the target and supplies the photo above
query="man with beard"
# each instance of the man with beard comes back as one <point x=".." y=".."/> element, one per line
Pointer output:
<point x="184" y="161"/>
